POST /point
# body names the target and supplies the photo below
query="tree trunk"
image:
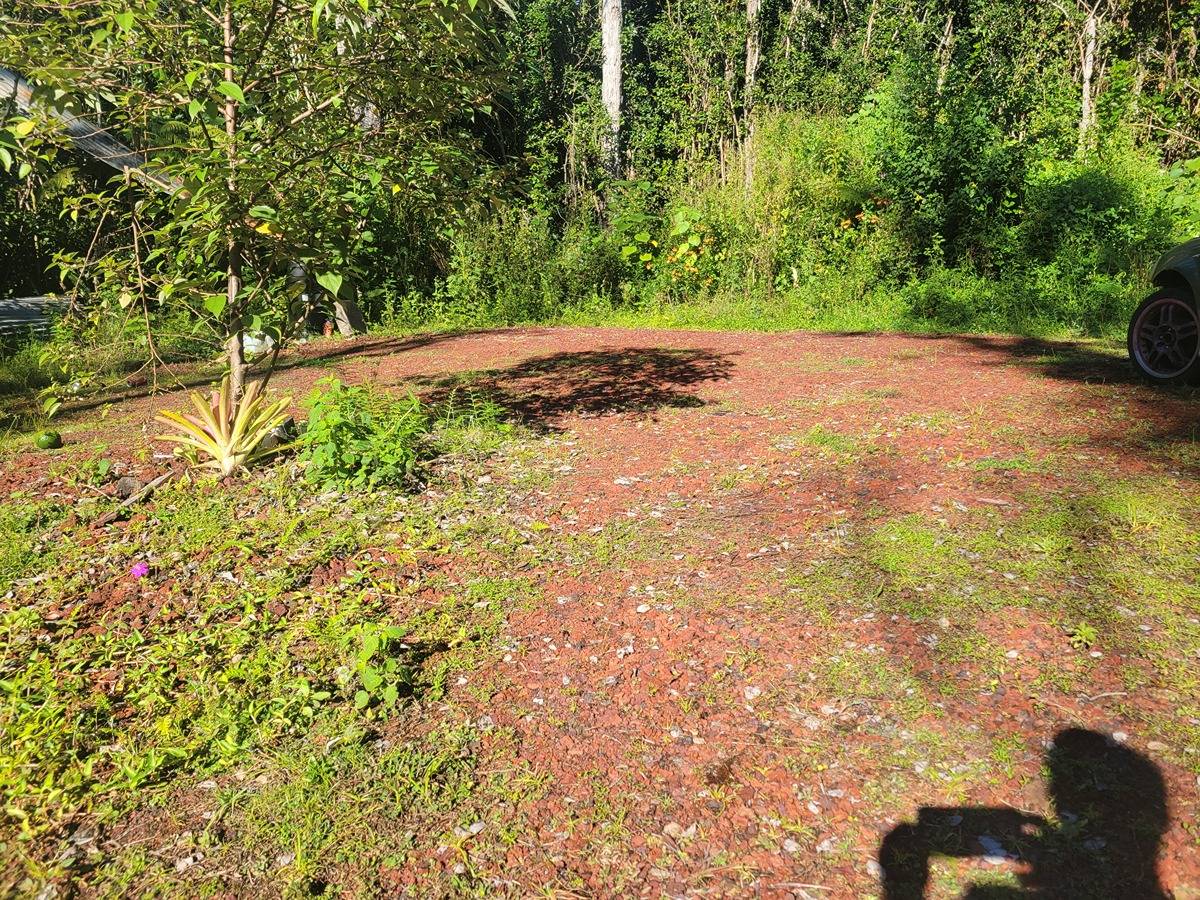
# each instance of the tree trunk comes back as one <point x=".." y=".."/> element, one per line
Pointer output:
<point x="233" y="272"/>
<point x="1087" y="114"/>
<point x="610" y="88"/>
<point x="946" y="51"/>
<point x="870" y="30"/>
<point x="753" y="58"/>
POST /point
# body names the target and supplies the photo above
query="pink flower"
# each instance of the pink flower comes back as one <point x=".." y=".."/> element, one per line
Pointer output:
<point x="140" y="570"/>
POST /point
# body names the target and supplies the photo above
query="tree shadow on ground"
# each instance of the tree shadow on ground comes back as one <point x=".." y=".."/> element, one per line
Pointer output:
<point x="1158" y="416"/>
<point x="364" y="347"/>
<point x="539" y="392"/>
<point x="1110" y="806"/>
<point x="184" y="375"/>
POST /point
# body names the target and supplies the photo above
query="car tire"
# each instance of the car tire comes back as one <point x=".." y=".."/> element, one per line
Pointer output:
<point x="1164" y="338"/>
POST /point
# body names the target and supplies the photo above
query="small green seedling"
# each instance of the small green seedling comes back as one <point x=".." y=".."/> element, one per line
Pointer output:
<point x="1082" y="636"/>
<point x="381" y="673"/>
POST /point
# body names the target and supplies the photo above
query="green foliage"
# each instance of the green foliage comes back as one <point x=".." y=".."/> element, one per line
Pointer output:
<point x="274" y="138"/>
<point x="381" y="674"/>
<point x="359" y="438"/>
<point x="1082" y="636"/>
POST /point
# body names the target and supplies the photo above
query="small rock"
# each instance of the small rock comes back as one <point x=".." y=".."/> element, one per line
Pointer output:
<point x="644" y="608"/>
<point x="826" y="846"/>
<point x="874" y="868"/>
<point x="285" y="859"/>
<point x="1120" y="737"/>
<point x="127" y="487"/>
<point x="995" y="854"/>
<point x="1157" y="747"/>
<point x="750" y="692"/>
<point x="186" y="862"/>
<point x="677" y="832"/>
<point x="790" y="845"/>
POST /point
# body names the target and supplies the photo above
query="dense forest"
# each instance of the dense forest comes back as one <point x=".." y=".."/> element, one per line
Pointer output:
<point x="965" y="164"/>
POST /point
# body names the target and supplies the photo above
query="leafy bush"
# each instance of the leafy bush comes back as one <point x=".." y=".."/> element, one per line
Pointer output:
<point x="358" y="437"/>
<point x="512" y="268"/>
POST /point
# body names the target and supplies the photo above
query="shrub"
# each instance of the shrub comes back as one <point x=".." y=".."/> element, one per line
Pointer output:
<point x="358" y="437"/>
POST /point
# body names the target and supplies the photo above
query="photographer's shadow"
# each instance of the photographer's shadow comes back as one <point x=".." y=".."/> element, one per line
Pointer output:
<point x="1111" y="807"/>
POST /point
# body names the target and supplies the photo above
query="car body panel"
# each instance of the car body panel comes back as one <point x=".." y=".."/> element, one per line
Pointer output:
<point x="1182" y="262"/>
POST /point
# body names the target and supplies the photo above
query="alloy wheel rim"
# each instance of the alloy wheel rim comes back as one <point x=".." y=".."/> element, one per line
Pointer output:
<point x="1166" y="338"/>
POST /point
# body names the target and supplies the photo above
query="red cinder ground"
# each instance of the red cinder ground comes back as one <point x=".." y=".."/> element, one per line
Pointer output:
<point x="723" y="694"/>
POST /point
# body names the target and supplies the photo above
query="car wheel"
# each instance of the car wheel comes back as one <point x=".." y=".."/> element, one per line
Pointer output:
<point x="1164" y="338"/>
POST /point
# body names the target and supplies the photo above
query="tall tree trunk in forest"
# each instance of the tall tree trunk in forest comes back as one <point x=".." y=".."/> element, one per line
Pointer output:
<point x="233" y="272"/>
<point x="870" y="30"/>
<point x="753" y="57"/>
<point x="946" y="52"/>
<point x="610" y="86"/>
<point x="1088" y="47"/>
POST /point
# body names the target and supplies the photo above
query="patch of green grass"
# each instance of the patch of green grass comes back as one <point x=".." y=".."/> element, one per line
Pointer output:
<point x="357" y="806"/>
<point x="822" y="438"/>
<point x="21" y="524"/>
<point x="116" y="690"/>
<point x="1019" y="463"/>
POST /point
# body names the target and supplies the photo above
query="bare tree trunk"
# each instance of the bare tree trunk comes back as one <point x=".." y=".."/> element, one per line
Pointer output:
<point x="946" y="51"/>
<point x="233" y="273"/>
<point x="753" y="58"/>
<point x="1087" y="113"/>
<point x="610" y="86"/>
<point x="870" y="29"/>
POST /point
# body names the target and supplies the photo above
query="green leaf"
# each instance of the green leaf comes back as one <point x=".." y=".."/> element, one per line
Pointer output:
<point x="6" y="159"/>
<point x="232" y="91"/>
<point x="215" y="304"/>
<point x="369" y="645"/>
<point x="266" y="213"/>
<point x="23" y="128"/>
<point x="194" y="109"/>
<point x="371" y="679"/>
<point x="694" y="240"/>
<point x="331" y="281"/>
<point x="361" y="699"/>
<point x="642" y="237"/>
<point x="124" y="20"/>
<point x="318" y="8"/>
<point x="24" y="171"/>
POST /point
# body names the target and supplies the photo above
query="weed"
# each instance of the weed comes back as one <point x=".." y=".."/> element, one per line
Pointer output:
<point x="830" y="441"/>
<point x="359" y="438"/>
<point x="1082" y="636"/>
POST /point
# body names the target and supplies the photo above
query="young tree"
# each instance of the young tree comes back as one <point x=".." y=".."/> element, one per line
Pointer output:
<point x="274" y="124"/>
